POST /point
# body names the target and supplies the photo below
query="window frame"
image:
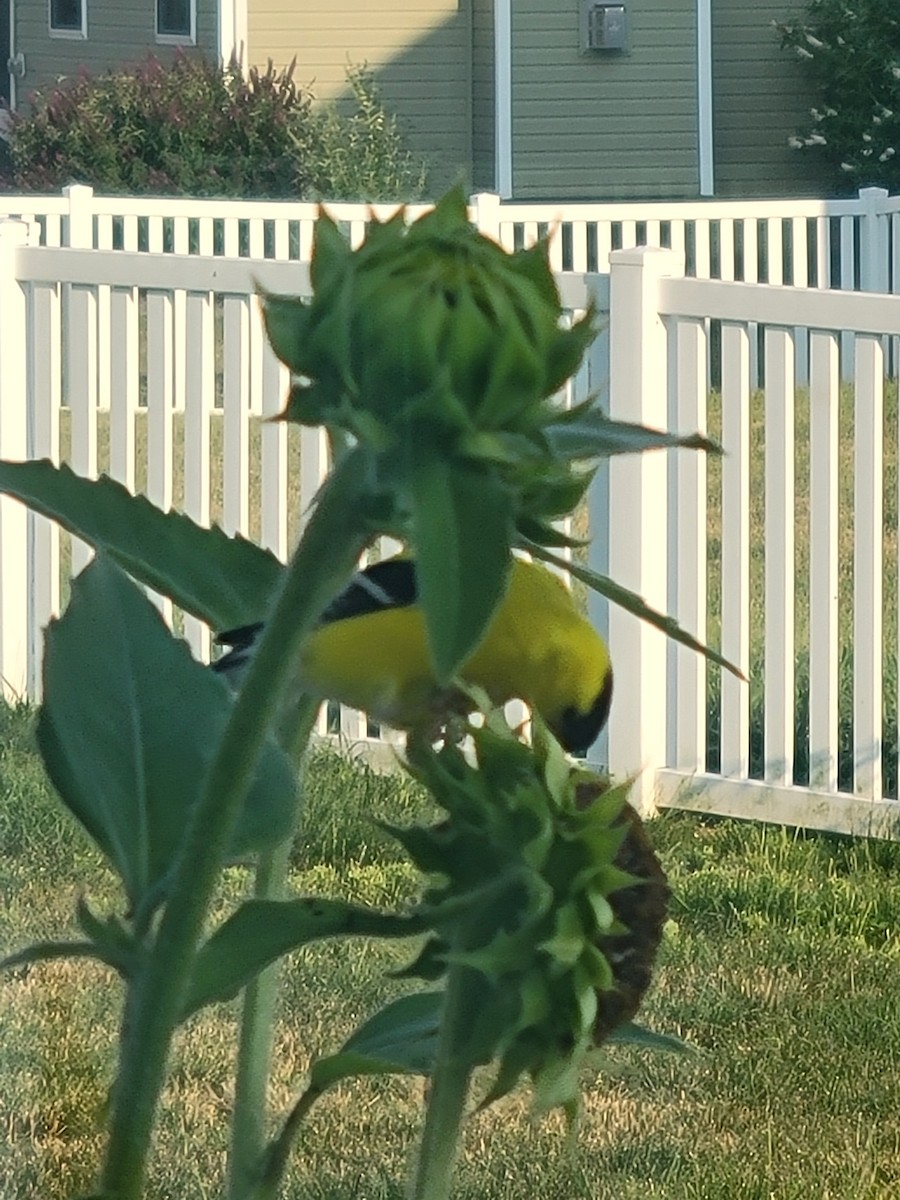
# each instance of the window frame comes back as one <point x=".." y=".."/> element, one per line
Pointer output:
<point x="79" y="34"/>
<point x="177" y="39"/>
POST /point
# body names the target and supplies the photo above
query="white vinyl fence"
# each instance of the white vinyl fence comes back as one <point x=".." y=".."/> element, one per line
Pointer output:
<point x="822" y="720"/>
<point x="850" y="244"/>
<point x="89" y="369"/>
<point x="89" y="374"/>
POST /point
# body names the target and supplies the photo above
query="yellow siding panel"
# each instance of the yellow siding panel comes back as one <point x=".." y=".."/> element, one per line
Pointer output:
<point x="420" y="54"/>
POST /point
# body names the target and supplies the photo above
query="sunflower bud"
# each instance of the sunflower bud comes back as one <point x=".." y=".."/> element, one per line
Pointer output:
<point x="549" y="898"/>
<point x="430" y="320"/>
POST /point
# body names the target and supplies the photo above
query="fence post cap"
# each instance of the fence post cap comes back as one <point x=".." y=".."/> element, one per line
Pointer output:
<point x="873" y="194"/>
<point x="78" y="191"/>
<point x="18" y="232"/>
<point x="659" y="259"/>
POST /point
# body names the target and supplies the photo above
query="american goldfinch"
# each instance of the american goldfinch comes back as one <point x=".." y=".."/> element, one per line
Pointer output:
<point x="370" y="651"/>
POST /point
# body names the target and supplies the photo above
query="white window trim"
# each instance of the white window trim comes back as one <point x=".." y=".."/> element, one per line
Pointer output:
<point x="176" y="39"/>
<point x="79" y="35"/>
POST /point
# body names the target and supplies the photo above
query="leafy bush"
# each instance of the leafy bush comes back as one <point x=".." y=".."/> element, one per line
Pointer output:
<point x="361" y="155"/>
<point x="851" y="54"/>
<point x="198" y="129"/>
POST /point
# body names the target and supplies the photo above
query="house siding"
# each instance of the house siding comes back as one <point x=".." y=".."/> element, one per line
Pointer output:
<point x="119" y="32"/>
<point x="760" y="98"/>
<point x="591" y="126"/>
<point x="420" y="53"/>
<point x="483" y="95"/>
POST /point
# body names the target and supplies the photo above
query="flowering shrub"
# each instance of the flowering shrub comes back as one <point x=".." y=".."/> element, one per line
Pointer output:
<point x="199" y="129"/>
<point x="851" y="53"/>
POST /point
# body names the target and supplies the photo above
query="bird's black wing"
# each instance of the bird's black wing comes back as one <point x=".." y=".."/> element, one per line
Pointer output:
<point x="241" y="638"/>
<point x="240" y="643"/>
<point x="388" y="584"/>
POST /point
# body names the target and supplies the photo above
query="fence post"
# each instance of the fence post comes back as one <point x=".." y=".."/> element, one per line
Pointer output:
<point x="14" y="573"/>
<point x="638" y="518"/>
<point x="874" y="252"/>
<point x="79" y="231"/>
<point x="485" y="210"/>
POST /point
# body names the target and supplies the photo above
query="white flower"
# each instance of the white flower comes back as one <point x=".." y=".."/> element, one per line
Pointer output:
<point x="840" y="41"/>
<point x="867" y="137"/>
<point x="795" y="143"/>
<point x="814" y="41"/>
<point x="876" y="120"/>
<point x="845" y="166"/>
<point x="895" y="71"/>
<point x="889" y="153"/>
<point x="815" y="114"/>
<point x="802" y="52"/>
<point x="830" y="112"/>
<point x="816" y="139"/>
<point x="886" y="112"/>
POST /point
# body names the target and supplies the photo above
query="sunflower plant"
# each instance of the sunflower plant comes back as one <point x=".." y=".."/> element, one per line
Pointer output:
<point x="432" y="357"/>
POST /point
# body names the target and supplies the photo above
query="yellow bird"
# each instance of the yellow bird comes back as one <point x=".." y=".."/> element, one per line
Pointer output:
<point x="370" y="651"/>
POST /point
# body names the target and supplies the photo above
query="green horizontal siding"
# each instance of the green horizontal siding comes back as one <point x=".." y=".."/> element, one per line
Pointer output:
<point x="760" y="98"/>
<point x="483" y="99"/>
<point x="605" y="126"/>
<point x="119" y="32"/>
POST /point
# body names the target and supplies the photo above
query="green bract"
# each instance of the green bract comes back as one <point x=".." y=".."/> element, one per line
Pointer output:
<point x="430" y="321"/>
<point x="526" y="871"/>
<point x="433" y="334"/>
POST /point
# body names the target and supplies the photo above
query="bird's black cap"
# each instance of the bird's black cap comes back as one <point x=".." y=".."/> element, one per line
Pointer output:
<point x="577" y="731"/>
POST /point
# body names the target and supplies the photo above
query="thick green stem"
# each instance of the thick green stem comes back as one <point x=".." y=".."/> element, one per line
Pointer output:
<point x="325" y="558"/>
<point x="248" y="1123"/>
<point x="449" y="1091"/>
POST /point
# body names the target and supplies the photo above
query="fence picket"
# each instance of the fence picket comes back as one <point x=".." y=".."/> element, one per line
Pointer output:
<point x="44" y="405"/>
<point x="824" y="412"/>
<point x="81" y="377"/>
<point x="236" y="404"/>
<point x="687" y="699"/>
<point x="124" y="320"/>
<point x="103" y="240"/>
<point x="181" y="242"/>
<point x="779" y="538"/>
<point x="735" y="558"/>
<point x="868" y="566"/>
<point x="274" y="456"/>
<point x="160" y="358"/>
<point x="199" y="391"/>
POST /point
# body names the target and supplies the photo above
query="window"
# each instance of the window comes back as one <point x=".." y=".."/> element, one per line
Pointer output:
<point x="176" y="20"/>
<point x="67" y="18"/>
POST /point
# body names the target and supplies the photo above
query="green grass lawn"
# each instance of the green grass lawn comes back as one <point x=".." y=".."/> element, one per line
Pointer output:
<point x="781" y="966"/>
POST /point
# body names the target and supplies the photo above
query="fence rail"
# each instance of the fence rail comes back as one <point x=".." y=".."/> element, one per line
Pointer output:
<point x="95" y="340"/>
